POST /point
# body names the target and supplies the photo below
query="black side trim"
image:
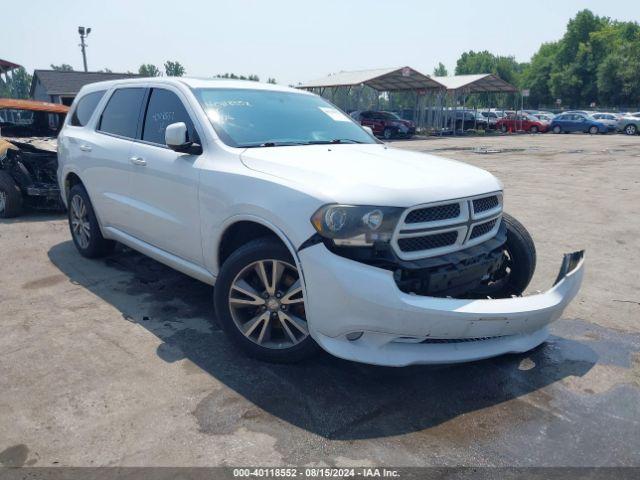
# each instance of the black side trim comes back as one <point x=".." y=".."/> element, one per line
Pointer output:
<point x="311" y="241"/>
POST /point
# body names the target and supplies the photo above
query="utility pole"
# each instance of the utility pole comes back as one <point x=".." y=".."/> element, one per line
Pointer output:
<point x="84" y="33"/>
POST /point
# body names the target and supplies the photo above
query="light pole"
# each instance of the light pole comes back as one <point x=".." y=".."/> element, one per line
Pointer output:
<point x="84" y="33"/>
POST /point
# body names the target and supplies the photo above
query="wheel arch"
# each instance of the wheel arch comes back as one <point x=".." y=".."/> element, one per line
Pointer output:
<point x="71" y="179"/>
<point x="240" y="229"/>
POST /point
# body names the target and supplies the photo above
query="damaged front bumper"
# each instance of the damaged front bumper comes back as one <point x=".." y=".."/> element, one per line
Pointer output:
<point x="350" y="300"/>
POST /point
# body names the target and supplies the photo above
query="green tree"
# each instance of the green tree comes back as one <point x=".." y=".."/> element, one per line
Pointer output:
<point x="485" y="62"/>
<point x="596" y="60"/>
<point x="271" y="80"/>
<point x="535" y="76"/>
<point x="16" y="85"/>
<point x="252" y="77"/>
<point x="149" y="70"/>
<point x="173" y="69"/>
<point x="64" y="67"/>
<point x="440" y="70"/>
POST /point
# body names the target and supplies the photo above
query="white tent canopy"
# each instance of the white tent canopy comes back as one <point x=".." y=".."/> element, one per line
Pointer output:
<point x="484" y="82"/>
<point x="381" y="79"/>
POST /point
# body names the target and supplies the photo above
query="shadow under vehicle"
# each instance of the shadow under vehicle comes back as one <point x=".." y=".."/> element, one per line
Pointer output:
<point x="28" y="158"/>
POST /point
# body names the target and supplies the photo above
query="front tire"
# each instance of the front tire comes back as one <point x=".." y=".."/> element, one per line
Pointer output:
<point x="387" y="134"/>
<point x="593" y="130"/>
<point x="557" y="129"/>
<point x="533" y="129"/>
<point x="260" y="305"/>
<point x="518" y="266"/>
<point x="84" y="226"/>
<point x="10" y="197"/>
<point x="631" y="129"/>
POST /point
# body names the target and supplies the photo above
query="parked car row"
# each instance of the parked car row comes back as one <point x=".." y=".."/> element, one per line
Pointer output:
<point x="390" y="125"/>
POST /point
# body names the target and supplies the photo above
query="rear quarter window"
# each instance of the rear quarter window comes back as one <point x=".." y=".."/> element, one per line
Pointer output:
<point x="85" y="108"/>
<point x="120" y="116"/>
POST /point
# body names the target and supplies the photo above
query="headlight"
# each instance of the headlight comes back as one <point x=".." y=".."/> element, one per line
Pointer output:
<point x="351" y="225"/>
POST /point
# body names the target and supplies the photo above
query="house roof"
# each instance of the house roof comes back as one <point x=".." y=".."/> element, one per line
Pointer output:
<point x="381" y="79"/>
<point x="484" y="82"/>
<point x="57" y="82"/>
<point x="33" y="105"/>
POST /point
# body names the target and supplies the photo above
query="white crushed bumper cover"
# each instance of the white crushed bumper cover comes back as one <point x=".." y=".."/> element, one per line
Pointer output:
<point x="399" y="329"/>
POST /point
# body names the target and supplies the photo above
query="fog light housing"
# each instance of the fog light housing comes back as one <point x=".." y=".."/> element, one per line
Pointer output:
<point x="353" y="336"/>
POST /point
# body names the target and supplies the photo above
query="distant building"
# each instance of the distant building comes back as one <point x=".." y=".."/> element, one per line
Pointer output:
<point x="57" y="86"/>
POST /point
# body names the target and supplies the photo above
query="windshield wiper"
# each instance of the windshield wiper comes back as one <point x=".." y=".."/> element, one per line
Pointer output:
<point x="334" y="141"/>
<point x="272" y="144"/>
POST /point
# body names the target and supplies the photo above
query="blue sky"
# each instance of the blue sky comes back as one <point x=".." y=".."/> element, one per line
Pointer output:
<point x="292" y="41"/>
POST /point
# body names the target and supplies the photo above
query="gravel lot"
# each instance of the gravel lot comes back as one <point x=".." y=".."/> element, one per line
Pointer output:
<point x="119" y="361"/>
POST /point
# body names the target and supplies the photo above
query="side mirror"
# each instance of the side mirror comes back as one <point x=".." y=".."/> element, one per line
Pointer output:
<point x="369" y="130"/>
<point x="176" y="137"/>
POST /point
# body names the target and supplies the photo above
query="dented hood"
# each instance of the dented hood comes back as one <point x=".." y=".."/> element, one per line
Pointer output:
<point x="371" y="174"/>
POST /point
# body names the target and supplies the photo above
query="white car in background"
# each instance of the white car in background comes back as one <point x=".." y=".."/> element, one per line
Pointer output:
<point x="313" y="232"/>
<point x="609" y="119"/>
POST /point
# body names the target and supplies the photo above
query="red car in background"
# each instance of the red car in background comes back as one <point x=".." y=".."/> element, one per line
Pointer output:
<point x="525" y="122"/>
<point x="385" y="124"/>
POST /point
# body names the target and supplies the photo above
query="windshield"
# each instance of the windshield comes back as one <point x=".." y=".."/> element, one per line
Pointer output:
<point x="262" y="118"/>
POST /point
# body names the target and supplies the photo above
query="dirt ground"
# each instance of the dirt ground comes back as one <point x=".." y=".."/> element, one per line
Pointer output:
<point x="120" y="362"/>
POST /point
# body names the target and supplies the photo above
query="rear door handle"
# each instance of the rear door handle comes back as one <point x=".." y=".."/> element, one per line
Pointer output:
<point x="138" y="161"/>
<point x="85" y="148"/>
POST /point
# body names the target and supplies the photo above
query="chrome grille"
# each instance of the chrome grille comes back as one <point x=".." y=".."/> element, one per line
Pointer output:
<point x="445" y="227"/>
<point x="428" y="242"/>
<point x="483" y="228"/>
<point x="431" y="214"/>
<point x="486" y="203"/>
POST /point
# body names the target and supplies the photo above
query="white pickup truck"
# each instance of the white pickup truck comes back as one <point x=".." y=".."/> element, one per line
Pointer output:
<point x="313" y="232"/>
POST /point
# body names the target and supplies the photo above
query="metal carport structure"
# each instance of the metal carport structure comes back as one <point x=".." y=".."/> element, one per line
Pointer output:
<point x="395" y="79"/>
<point x="460" y="86"/>
<point x="436" y="97"/>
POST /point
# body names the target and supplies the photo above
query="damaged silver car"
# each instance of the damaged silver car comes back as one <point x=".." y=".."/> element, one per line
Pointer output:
<point x="28" y="158"/>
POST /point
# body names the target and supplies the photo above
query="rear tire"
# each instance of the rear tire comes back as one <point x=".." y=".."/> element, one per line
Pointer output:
<point x="519" y="263"/>
<point x="503" y="128"/>
<point x="84" y="227"/>
<point x="593" y="130"/>
<point x="557" y="129"/>
<point x="533" y="129"/>
<point x="10" y="196"/>
<point x="264" y="319"/>
<point x="387" y="134"/>
<point x="631" y="129"/>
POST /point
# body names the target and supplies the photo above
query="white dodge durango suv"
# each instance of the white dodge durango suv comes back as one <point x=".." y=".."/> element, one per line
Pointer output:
<point x="313" y="232"/>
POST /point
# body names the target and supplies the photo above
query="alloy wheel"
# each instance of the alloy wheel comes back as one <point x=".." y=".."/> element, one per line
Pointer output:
<point x="267" y="305"/>
<point x="80" y="225"/>
<point x="630" y="130"/>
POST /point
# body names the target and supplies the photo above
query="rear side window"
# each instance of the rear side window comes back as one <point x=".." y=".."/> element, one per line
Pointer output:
<point x="164" y="109"/>
<point x="120" y="116"/>
<point x="85" y="108"/>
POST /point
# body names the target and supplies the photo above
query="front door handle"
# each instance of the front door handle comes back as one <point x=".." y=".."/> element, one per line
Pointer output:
<point x="138" y="161"/>
<point x="85" y="148"/>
